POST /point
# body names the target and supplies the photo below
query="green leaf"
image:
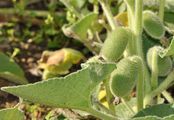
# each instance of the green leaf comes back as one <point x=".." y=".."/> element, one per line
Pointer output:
<point x="11" y="114"/>
<point x="168" y="51"/>
<point x="169" y="17"/>
<point x="161" y="110"/>
<point x="77" y="3"/>
<point x="169" y="21"/>
<point x="148" y="42"/>
<point x="73" y="91"/>
<point x="10" y="70"/>
<point x="152" y="25"/>
<point x="79" y="29"/>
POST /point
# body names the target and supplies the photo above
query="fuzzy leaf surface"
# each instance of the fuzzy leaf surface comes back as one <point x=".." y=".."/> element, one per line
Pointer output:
<point x="161" y="110"/>
<point x="73" y="91"/>
<point x="153" y="25"/>
<point x="11" y="114"/>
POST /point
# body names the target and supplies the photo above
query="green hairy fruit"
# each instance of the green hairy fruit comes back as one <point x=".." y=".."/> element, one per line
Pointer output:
<point x="115" y="44"/>
<point x="123" y="79"/>
<point x="153" y="25"/>
<point x="164" y="64"/>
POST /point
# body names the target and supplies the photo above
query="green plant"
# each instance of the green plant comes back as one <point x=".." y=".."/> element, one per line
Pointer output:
<point x="10" y="70"/>
<point x="118" y="66"/>
<point x="121" y="38"/>
<point x="6" y="114"/>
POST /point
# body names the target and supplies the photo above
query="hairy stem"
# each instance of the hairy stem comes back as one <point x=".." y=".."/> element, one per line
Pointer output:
<point x="163" y="86"/>
<point x="96" y="7"/>
<point x="109" y="16"/>
<point x="138" y="40"/>
<point x="161" y="9"/>
<point x="138" y="26"/>
<point x="140" y="88"/>
<point x="131" y="12"/>
<point x="168" y="97"/>
<point x="131" y="48"/>
<point x="154" y="71"/>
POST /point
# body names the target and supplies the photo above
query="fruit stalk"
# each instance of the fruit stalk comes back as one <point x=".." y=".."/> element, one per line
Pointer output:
<point x="109" y="16"/>
<point x="163" y="86"/>
<point x="140" y="87"/>
<point x="161" y="9"/>
<point x="154" y="74"/>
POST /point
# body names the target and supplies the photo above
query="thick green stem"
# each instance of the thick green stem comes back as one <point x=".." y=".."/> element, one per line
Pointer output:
<point x="109" y="16"/>
<point x="131" y="48"/>
<point x="138" y="40"/>
<point x="140" y="87"/>
<point x="130" y="11"/>
<point x="161" y="9"/>
<point x="96" y="7"/>
<point x="138" y="26"/>
<point x="163" y="86"/>
<point x="154" y="71"/>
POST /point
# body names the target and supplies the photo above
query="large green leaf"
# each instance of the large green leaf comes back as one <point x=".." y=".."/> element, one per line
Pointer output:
<point x="79" y="29"/>
<point x="11" y="114"/>
<point x="73" y="91"/>
<point x="161" y="110"/>
<point x="10" y="70"/>
<point x="168" y="51"/>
